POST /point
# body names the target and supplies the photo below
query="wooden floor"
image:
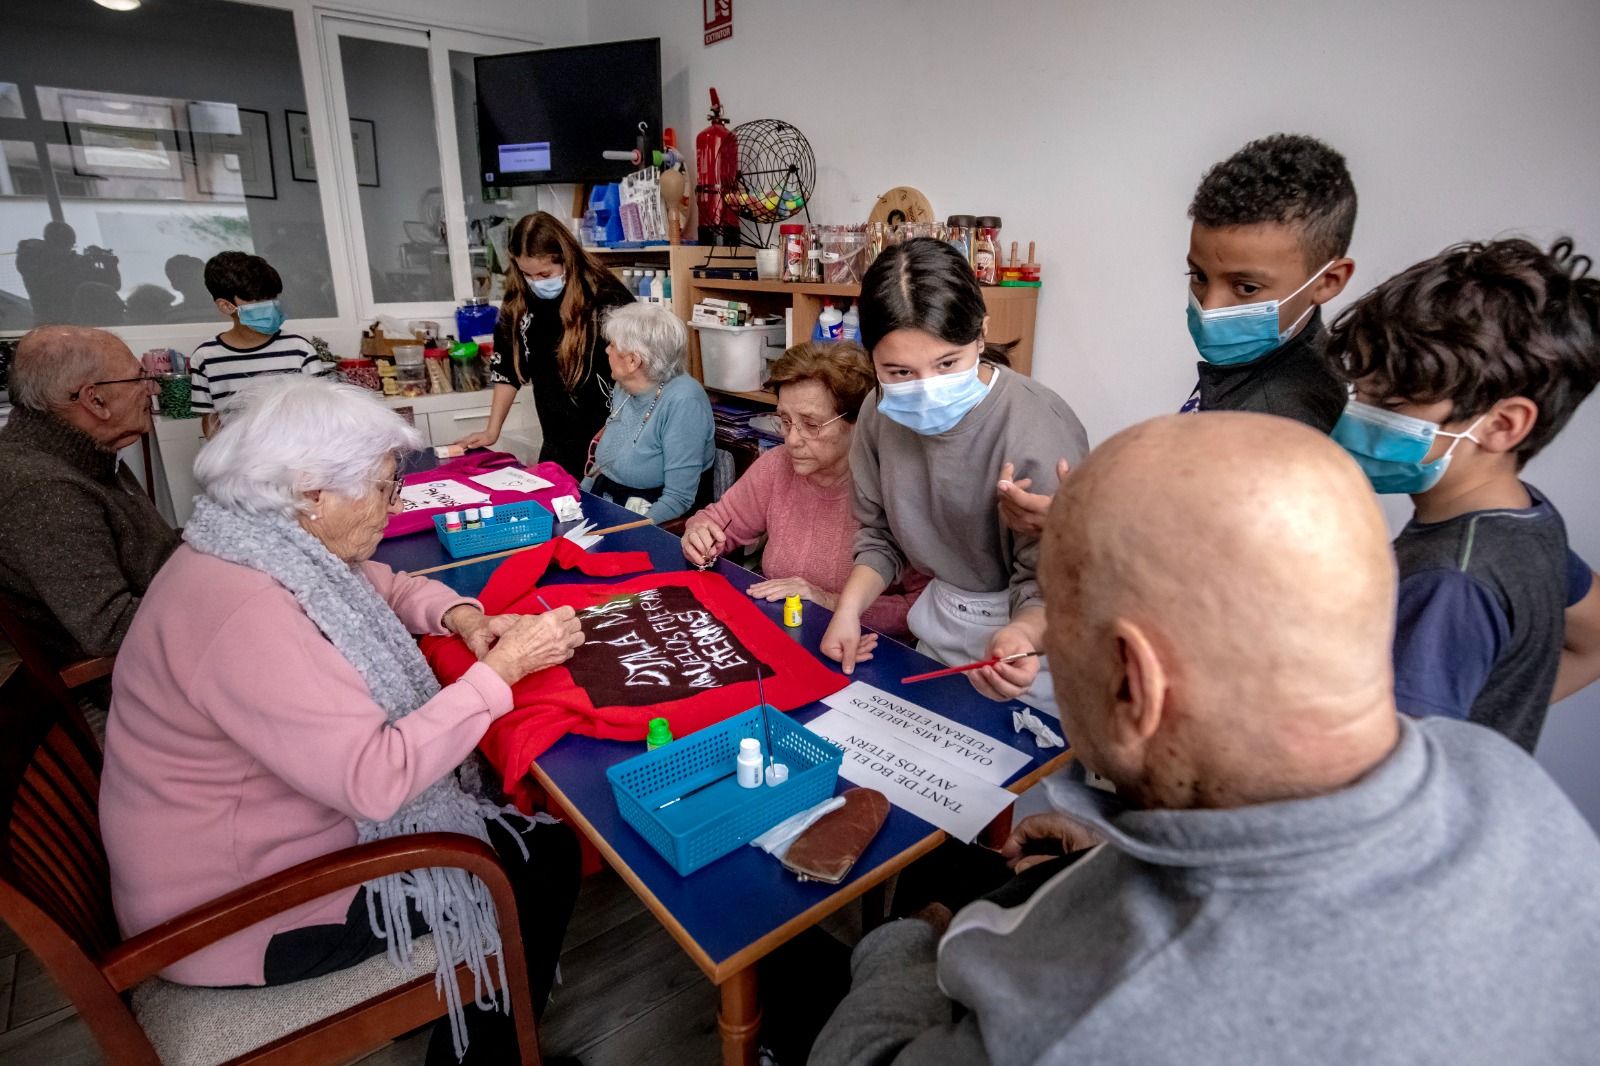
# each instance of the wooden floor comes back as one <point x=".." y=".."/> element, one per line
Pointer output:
<point x="628" y="995"/>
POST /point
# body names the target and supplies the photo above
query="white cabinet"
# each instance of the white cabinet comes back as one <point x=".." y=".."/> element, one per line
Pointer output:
<point x="442" y="419"/>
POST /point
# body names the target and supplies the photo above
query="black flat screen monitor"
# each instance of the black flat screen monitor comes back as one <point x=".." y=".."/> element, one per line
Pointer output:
<point x="548" y="116"/>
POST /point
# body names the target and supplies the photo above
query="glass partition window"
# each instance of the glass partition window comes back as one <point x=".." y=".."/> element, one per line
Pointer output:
<point x="136" y="145"/>
<point x="389" y="96"/>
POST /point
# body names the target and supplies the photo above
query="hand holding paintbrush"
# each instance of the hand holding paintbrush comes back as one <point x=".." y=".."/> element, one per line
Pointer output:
<point x="704" y="539"/>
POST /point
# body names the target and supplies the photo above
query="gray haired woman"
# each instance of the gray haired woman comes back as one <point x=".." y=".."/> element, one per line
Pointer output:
<point x="657" y="445"/>
<point x="270" y="705"/>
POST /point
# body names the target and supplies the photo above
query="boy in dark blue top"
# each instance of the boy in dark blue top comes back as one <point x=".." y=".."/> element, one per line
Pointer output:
<point x="1465" y="366"/>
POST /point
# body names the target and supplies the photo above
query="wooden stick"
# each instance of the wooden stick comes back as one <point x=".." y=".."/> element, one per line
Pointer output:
<point x="619" y="529"/>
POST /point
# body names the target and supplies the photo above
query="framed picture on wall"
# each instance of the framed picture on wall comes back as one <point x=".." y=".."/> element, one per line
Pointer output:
<point x="364" y="134"/>
<point x="120" y="137"/>
<point x="303" y="157"/>
<point x="233" y="157"/>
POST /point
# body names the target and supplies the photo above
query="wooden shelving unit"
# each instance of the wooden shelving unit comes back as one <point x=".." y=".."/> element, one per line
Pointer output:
<point x="1012" y="312"/>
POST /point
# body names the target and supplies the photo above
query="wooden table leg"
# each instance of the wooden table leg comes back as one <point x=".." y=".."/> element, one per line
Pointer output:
<point x="739" y="1021"/>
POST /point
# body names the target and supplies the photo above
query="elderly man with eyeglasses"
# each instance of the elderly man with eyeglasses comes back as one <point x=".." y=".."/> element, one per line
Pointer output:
<point x="79" y="539"/>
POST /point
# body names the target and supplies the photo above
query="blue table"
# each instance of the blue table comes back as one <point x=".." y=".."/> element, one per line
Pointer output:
<point x="731" y="913"/>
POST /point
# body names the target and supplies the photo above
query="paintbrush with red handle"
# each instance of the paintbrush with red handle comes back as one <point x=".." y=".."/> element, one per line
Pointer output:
<point x="969" y="666"/>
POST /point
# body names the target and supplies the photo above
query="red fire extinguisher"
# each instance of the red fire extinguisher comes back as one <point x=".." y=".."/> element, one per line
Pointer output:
<point x="716" y="155"/>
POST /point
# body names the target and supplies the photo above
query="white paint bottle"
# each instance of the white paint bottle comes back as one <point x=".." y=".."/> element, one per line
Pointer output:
<point x="749" y="768"/>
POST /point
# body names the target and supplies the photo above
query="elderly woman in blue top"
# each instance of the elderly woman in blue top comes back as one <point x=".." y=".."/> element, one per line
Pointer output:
<point x="658" y="440"/>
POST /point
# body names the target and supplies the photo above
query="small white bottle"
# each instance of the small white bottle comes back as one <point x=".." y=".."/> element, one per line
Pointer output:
<point x="749" y="771"/>
<point x="630" y="282"/>
<point x="657" y="292"/>
<point x="850" y="325"/>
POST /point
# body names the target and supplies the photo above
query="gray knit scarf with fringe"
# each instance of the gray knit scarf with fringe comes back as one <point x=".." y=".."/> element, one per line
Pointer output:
<point x="348" y="610"/>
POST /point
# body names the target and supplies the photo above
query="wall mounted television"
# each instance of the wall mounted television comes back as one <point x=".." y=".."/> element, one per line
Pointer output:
<point x="547" y="116"/>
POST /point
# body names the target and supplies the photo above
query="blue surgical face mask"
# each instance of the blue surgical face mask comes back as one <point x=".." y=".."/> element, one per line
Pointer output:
<point x="1243" y="333"/>
<point x="932" y="405"/>
<point x="263" y="316"/>
<point x="1390" y="447"/>
<point x="548" y="288"/>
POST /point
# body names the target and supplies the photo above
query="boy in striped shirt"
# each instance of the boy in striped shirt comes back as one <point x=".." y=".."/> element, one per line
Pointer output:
<point x="246" y="289"/>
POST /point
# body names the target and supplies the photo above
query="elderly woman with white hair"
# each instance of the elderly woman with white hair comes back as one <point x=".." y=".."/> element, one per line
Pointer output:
<point x="270" y="705"/>
<point x="655" y="450"/>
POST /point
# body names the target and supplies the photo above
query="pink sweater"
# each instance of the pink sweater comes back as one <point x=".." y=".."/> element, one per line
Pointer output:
<point x="810" y="533"/>
<point x="241" y="742"/>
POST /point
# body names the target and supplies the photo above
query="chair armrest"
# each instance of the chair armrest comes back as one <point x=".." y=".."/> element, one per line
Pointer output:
<point x="156" y="948"/>
<point x="83" y="671"/>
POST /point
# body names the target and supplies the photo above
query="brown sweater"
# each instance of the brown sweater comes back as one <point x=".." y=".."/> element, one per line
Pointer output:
<point x="79" y="540"/>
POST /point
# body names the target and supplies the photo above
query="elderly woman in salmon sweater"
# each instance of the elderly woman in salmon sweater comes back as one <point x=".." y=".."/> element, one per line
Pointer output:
<point x="799" y="494"/>
<point x="270" y="705"/>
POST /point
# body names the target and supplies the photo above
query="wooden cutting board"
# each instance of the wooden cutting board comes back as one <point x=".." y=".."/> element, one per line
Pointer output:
<point x="901" y="204"/>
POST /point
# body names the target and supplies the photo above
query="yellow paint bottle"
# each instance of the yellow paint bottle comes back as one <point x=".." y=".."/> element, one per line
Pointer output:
<point x="791" y="611"/>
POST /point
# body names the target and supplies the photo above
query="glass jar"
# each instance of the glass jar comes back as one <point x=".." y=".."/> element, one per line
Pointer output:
<point x="792" y="239"/>
<point x="958" y="231"/>
<point x="986" y="250"/>
<point x="814" y="254"/>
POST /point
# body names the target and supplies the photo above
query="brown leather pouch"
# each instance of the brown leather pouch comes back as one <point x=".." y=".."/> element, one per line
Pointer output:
<point x="827" y="850"/>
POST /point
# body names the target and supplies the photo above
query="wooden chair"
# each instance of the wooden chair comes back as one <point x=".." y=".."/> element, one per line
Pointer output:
<point x="55" y="893"/>
<point x="59" y="678"/>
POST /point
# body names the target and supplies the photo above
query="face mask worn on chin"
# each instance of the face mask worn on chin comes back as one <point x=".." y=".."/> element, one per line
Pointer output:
<point x="930" y="406"/>
<point x="263" y="316"/>
<point x="548" y="288"/>
<point x="1243" y="333"/>
<point x="1390" y="447"/>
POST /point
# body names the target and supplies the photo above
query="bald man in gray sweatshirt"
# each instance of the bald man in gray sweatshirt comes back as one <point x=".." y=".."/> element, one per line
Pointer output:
<point x="1292" y="872"/>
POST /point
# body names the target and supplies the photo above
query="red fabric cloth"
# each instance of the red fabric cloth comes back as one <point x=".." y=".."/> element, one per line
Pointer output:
<point x="482" y="462"/>
<point x="681" y="646"/>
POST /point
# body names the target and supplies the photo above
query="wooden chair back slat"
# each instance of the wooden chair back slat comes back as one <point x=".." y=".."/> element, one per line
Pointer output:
<point x="50" y="848"/>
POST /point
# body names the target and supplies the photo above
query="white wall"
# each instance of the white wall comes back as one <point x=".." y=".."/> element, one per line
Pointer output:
<point x="1086" y="124"/>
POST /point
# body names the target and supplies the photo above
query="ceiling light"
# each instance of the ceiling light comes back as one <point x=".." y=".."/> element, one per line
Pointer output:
<point x="119" y="5"/>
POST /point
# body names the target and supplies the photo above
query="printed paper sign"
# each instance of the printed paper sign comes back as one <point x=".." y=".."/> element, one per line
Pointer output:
<point x="511" y="479"/>
<point x="447" y="493"/>
<point x="654" y="646"/>
<point x="933" y="790"/>
<point x="978" y="754"/>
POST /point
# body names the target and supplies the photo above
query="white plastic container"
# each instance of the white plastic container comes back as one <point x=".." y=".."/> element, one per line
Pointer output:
<point x="749" y="763"/>
<point x="734" y="358"/>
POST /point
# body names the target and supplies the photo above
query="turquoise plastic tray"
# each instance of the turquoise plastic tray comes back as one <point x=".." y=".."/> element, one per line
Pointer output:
<point x="709" y="824"/>
<point x="514" y="525"/>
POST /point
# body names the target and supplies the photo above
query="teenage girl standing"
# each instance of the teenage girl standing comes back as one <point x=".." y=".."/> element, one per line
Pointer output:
<point x="548" y="336"/>
<point x="947" y="415"/>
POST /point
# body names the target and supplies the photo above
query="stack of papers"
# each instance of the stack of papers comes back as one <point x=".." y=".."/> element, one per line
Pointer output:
<point x="936" y="768"/>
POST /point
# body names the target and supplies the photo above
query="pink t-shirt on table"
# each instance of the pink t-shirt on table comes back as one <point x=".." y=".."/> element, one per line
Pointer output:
<point x="241" y="742"/>
<point x="810" y="533"/>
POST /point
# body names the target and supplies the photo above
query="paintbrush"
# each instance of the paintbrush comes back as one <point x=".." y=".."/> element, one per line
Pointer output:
<point x="969" y="666"/>
<point x="766" y="723"/>
<point x="696" y="791"/>
<point x="712" y="560"/>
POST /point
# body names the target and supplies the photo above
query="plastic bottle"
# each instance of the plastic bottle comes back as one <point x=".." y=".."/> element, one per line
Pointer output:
<point x="749" y="765"/>
<point x="473" y="521"/>
<point x="452" y="521"/>
<point x="666" y="286"/>
<point x="644" y="285"/>
<point x="850" y="327"/>
<point x="658" y="289"/>
<point x="659" y="735"/>
<point x="791" y="611"/>
<point x="828" y="323"/>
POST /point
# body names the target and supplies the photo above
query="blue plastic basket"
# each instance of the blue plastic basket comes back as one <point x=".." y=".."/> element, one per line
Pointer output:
<point x="709" y="824"/>
<point x="514" y="525"/>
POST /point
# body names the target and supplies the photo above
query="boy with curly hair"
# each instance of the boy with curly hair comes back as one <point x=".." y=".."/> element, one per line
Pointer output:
<point x="1272" y="226"/>
<point x="1465" y="366"/>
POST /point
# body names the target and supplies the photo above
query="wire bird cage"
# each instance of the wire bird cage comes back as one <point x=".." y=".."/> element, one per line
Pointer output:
<point x="777" y="173"/>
